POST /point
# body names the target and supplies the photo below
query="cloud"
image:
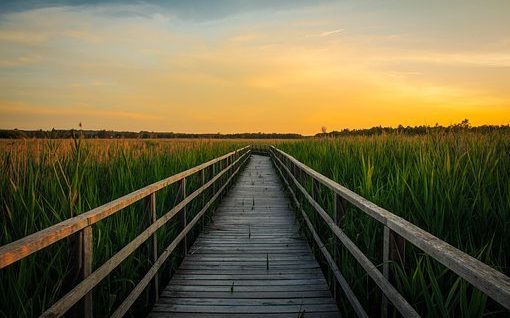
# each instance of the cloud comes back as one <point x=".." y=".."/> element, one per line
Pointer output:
<point x="326" y="33"/>
<point x="197" y="10"/>
<point x="23" y="37"/>
<point x="19" y="61"/>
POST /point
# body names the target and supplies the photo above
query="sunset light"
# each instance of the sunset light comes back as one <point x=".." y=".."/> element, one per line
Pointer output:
<point x="243" y="66"/>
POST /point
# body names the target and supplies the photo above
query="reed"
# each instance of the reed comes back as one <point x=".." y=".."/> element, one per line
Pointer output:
<point x="43" y="182"/>
<point x="455" y="186"/>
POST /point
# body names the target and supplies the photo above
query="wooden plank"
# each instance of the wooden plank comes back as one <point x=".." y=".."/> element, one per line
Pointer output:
<point x="248" y="276"/>
<point x="269" y="309"/>
<point x="248" y="294"/>
<point x="492" y="282"/>
<point x="332" y="314"/>
<point x="23" y="247"/>
<point x="229" y="301"/>
<point x="266" y="288"/>
<point x="210" y="266"/>
<point x="276" y="263"/>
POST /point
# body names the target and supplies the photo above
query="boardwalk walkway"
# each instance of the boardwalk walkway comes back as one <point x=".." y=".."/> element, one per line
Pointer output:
<point x="251" y="260"/>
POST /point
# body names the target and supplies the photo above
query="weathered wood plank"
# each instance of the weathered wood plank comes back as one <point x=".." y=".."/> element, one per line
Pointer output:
<point x="333" y="314"/>
<point x="192" y="301"/>
<point x="265" y="288"/>
<point x="248" y="294"/>
<point x="268" y="309"/>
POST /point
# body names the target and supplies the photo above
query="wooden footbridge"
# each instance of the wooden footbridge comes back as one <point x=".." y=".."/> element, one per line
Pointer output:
<point x="252" y="259"/>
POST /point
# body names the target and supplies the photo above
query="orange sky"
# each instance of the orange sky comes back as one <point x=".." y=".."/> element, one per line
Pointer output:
<point x="242" y="67"/>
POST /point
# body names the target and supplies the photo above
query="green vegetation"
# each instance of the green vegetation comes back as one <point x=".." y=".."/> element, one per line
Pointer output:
<point x="453" y="183"/>
<point x="456" y="185"/>
<point x="43" y="182"/>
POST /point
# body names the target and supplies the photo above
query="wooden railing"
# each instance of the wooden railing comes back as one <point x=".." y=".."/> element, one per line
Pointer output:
<point x="295" y="175"/>
<point x="226" y="167"/>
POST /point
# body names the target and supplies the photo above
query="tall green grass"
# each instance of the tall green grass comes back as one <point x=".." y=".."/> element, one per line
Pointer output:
<point x="43" y="182"/>
<point x="455" y="186"/>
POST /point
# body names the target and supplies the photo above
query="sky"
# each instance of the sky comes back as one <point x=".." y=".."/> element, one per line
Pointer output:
<point x="253" y="66"/>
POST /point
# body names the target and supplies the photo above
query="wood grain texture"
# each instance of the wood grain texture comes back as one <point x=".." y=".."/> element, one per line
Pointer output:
<point x="251" y="261"/>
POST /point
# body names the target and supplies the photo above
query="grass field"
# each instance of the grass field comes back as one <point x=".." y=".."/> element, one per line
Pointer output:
<point x="456" y="186"/>
<point x="43" y="182"/>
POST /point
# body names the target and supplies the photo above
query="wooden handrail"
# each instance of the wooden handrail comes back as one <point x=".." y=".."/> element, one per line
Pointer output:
<point x="15" y="251"/>
<point x="351" y="297"/>
<point x="391" y="293"/>
<point x="490" y="281"/>
<point x="19" y="249"/>
<point x="122" y="309"/>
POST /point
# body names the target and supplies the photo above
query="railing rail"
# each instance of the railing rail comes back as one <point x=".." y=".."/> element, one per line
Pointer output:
<point x="226" y="166"/>
<point x="490" y="281"/>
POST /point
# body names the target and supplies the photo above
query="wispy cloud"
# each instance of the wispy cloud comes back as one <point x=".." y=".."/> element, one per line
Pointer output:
<point x="326" y="33"/>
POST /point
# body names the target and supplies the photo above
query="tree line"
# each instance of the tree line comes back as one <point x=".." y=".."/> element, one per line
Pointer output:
<point x="415" y="130"/>
<point x="377" y="130"/>
<point x="111" y="134"/>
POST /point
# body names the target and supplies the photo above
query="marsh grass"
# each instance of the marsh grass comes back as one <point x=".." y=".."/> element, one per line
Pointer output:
<point x="455" y="186"/>
<point x="43" y="182"/>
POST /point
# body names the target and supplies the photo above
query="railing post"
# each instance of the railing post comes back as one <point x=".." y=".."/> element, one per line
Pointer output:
<point x="386" y="268"/>
<point x="84" y="257"/>
<point x="151" y="217"/>
<point x="229" y="161"/>
<point x="315" y="190"/>
<point x="338" y="215"/>
<point x="215" y="184"/>
<point x="393" y="251"/>
<point x="202" y="177"/>
<point x="181" y="195"/>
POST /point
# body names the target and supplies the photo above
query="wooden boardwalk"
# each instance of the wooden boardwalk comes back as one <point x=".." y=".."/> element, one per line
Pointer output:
<point x="251" y="261"/>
